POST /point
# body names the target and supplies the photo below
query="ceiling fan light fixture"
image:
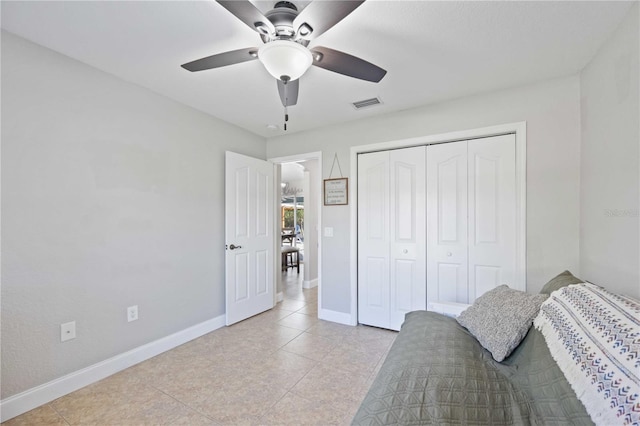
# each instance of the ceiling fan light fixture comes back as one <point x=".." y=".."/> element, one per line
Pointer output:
<point x="284" y="58"/>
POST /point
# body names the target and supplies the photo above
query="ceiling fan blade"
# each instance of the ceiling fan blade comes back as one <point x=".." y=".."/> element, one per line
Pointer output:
<point x="343" y="63"/>
<point x="249" y="14"/>
<point x="291" y="97"/>
<point x="222" y="59"/>
<point x="319" y="16"/>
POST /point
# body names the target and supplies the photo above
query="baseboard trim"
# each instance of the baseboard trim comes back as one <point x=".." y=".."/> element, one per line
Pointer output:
<point x="334" y="316"/>
<point x="310" y="284"/>
<point x="47" y="392"/>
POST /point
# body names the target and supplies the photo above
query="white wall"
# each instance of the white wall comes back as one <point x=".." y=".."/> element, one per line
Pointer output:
<point x="610" y="180"/>
<point x="552" y="112"/>
<point x="111" y="196"/>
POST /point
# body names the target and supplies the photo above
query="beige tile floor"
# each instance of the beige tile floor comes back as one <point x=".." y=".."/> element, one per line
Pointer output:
<point x="282" y="367"/>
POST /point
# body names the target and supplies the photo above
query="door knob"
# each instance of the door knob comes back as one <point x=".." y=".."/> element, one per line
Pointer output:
<point x="233" y="247"/>
<point x="449" y="253"/>
<point x="405" y="251"/>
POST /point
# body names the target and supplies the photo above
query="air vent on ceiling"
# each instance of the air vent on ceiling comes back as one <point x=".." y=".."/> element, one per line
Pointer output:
<point x="367" y="103"/>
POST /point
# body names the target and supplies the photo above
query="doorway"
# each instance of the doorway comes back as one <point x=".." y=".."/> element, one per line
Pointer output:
<point x="298" y="218"/>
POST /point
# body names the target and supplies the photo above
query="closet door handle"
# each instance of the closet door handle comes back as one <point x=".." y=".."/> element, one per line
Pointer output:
<point x="449" y="254"/>
<point x="233" y="247"/>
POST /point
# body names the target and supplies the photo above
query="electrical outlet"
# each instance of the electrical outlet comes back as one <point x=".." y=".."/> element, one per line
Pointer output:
<point x="132" y="313"/>
<point x="67" y="331"/>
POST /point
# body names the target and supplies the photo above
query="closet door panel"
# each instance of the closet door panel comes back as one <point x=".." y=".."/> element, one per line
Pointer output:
<point x="486" y="278"/>
<point x="373" y="239"/>
<point x="404" y="279"/>
<point x="449" y="273"/>
<point x="447" y="223"/>
<point x="492" y="213"/>
<point x="377" y="286"/>
<point x="407" y="226"/>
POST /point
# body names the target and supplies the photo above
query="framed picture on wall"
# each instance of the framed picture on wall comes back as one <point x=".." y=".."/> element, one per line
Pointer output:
<point x="336" y="192"/>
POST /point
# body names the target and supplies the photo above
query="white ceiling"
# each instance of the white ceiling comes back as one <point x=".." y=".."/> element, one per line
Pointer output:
<point x="433" y="51"/>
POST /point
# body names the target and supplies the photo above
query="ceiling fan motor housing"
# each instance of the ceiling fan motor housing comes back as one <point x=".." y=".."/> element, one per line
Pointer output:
<point x="282" y="17"/>
<point x="286" y="4"/>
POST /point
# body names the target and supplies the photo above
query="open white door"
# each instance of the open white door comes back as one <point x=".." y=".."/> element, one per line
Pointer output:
<point x="249" y="236"/>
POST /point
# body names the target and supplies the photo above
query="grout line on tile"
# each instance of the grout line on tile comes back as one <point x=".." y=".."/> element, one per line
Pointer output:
<point x="266" y="411"/>
<point x="288" y="341"/>
<point x="59" y="414"/>
<point x="364" y="376"/>
<point x="293" y="328"/>
<point x="184" y="404"/>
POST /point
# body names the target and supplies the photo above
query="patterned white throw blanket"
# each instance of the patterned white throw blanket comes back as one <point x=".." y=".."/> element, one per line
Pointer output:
<point x="594" y="336"/>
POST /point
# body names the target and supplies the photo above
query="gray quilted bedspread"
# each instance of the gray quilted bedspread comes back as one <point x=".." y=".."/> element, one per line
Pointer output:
<point x="437" y="373"/>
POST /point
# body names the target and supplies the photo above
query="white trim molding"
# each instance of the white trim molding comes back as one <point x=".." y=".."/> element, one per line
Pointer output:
<point x="335" y="316"/>
<point x="47" y="392"/>
<point x="310" y="284"/>
<point x="520" y="131"/>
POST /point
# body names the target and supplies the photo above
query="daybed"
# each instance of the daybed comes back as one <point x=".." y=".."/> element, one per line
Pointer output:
<point x="437" y="372"/>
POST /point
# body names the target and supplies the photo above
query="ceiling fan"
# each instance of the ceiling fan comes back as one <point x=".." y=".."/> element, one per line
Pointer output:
<point x="286" y="33"/>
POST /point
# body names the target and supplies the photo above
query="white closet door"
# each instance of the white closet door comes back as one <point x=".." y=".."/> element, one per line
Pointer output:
<point x="492" y="213"/>
<point x="373" y="239"/>
<point x="447" y="223"/>
<point x="391" y="236"/>
<point x="408" y="240"/>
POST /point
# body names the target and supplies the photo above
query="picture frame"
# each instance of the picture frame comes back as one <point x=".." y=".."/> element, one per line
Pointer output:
<point x="336" y="192"/>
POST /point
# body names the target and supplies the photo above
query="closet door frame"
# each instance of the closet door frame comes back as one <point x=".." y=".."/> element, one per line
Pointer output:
<point x="520" y="131"/>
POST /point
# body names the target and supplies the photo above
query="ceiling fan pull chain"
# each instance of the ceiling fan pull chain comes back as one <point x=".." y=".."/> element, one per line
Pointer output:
<point x="286" y="117"/>
<point x="286" y="102"/>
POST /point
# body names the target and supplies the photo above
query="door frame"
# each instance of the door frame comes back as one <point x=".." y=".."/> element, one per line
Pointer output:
<point x="316" y="155"/>
<point x="517" y="128"/>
